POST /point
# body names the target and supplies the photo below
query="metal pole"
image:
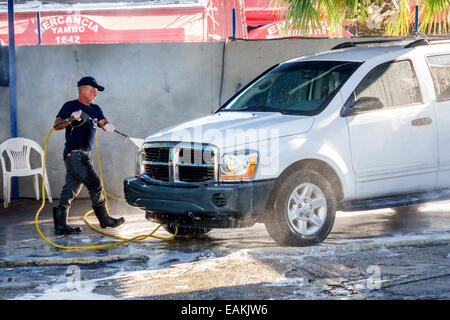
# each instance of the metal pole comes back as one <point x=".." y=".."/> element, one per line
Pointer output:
<point x="234" y="23"/>
<point x="38" y="22"/>
<point x="417" y="19"/>
<point x="12" y="88"/>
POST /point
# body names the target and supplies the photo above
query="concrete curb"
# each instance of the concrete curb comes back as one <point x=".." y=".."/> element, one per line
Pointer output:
<point x="333" y="248"/>
<point x="71" y="261"/>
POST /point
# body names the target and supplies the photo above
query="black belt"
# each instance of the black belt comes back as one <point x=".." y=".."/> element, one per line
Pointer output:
<point x="77" y="150"/>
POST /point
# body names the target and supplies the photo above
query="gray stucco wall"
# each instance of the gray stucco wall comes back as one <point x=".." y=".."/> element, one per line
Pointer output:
<point x="148" y="87"/>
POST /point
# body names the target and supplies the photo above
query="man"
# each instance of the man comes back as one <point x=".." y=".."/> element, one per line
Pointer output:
<point x="83" y="118"/>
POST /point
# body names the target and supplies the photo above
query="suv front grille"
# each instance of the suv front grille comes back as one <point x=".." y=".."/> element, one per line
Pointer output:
<point x="194" y="174"/>
<point x="157" y="154"/>
<point x="157" y="172"/>
<point x="183" y="163"/>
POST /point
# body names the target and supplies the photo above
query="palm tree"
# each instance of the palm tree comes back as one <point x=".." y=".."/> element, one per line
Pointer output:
<point x="392" y="17"/>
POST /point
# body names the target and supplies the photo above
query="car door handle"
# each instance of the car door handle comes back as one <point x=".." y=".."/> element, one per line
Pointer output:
<point x="421" y="122"/>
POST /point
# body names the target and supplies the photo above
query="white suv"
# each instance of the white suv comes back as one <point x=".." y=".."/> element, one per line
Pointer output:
<point x="353" y="128"/>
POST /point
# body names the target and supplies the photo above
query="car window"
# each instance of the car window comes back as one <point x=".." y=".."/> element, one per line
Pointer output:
<point x="294" y="88"/>
<point x="440" y="72"/>
<point x="394" y="83"/>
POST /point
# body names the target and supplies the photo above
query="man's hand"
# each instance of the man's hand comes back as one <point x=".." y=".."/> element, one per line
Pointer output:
<point x="76" y="115"/>
<point x="109" y="127"/>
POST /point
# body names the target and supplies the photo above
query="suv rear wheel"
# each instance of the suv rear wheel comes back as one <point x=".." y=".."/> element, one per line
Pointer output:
<point x="304" y="210"/>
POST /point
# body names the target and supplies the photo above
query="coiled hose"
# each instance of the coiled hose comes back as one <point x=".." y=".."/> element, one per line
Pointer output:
<point x="96" y="246"/>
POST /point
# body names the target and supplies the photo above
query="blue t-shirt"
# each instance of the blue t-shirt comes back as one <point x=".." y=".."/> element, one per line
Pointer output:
<point x="80" y="134"/>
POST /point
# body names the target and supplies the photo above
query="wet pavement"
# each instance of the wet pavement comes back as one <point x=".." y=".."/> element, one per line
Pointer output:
<point x="407" y="254"/>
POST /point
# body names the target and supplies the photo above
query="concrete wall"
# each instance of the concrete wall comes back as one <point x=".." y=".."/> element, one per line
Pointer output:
<point x="148" y="87"/>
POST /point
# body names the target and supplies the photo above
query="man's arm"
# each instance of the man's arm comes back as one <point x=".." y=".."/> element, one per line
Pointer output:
<point x="102" y="123"/>
<point x="62" y="125"/>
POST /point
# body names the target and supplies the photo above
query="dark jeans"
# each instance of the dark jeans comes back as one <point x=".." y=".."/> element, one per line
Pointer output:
<point x="79" y="171"/>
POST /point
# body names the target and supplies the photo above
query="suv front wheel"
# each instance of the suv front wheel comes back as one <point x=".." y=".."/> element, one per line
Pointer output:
<point x="304" y="210"/>
<point x="186" y="231"/>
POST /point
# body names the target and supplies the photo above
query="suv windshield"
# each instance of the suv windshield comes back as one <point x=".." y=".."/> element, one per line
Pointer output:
<point x="302" y="88"/>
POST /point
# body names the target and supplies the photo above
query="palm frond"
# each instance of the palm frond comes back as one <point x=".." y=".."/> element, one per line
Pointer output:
<point x="301" y="15"/>
<point x="435" y="16"/>
<point x="305" y="16"/>
<point x="403" y="21"/>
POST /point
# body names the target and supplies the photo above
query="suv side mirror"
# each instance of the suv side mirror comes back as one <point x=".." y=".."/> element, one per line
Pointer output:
<point x="364" y="104"/>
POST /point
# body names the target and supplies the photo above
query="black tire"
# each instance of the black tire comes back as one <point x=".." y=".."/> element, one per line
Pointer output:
<point x="285" y="230"/>
<point x="187" y="232"/>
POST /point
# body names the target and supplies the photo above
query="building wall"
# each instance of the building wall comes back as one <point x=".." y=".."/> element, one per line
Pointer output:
<point x="148" y="87"/>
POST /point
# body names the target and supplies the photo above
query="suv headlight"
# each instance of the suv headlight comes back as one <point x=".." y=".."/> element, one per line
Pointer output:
<point x="238" y="166"/>
<point x="140" y="155"/>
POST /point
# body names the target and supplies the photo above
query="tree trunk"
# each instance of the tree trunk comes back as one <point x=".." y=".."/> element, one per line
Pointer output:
<point x="379" y="14"/>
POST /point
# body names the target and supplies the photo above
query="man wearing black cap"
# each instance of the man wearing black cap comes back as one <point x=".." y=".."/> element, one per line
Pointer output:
<point x="84" y="118"/>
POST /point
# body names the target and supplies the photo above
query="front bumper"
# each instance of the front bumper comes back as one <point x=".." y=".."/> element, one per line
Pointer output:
<point x="221" y="205"/>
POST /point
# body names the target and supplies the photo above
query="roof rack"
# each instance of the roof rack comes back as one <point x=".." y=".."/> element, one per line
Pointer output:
<point x="355" y="43"/>
<point x="418" y="43"/>
<point x="412" y="44"/>
<point x="427" y="42"/>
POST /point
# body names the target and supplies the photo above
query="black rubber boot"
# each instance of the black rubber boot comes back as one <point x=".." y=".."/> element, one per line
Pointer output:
<point x="101" y="212"/>
<point x="60" y="219"/>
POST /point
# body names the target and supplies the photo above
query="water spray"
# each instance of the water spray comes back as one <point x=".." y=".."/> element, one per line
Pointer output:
<point x="138" y="142"/>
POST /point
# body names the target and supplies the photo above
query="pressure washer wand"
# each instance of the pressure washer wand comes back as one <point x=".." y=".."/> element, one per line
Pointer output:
<point x="69" y="119"/>
<point x="123" y="134"/>
<point x="136" y="141"/>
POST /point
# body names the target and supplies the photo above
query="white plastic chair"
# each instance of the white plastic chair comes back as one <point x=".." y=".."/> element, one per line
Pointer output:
<point x="18" y="151"/>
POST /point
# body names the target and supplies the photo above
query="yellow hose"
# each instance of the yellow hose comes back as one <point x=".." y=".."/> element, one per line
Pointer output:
<point x="97" y="246"/>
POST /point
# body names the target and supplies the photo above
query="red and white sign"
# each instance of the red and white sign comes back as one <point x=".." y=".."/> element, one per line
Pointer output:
<point x="158" y="24"/>
<point x="276" y="30"/>
<point x="260" y="12"/>
<point x="211" y="21"/>
<point x="24" y="28"/>
<point x="68" y="29"/>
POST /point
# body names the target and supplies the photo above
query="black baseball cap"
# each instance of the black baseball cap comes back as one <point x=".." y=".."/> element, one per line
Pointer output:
<point x="90" y="81"/>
